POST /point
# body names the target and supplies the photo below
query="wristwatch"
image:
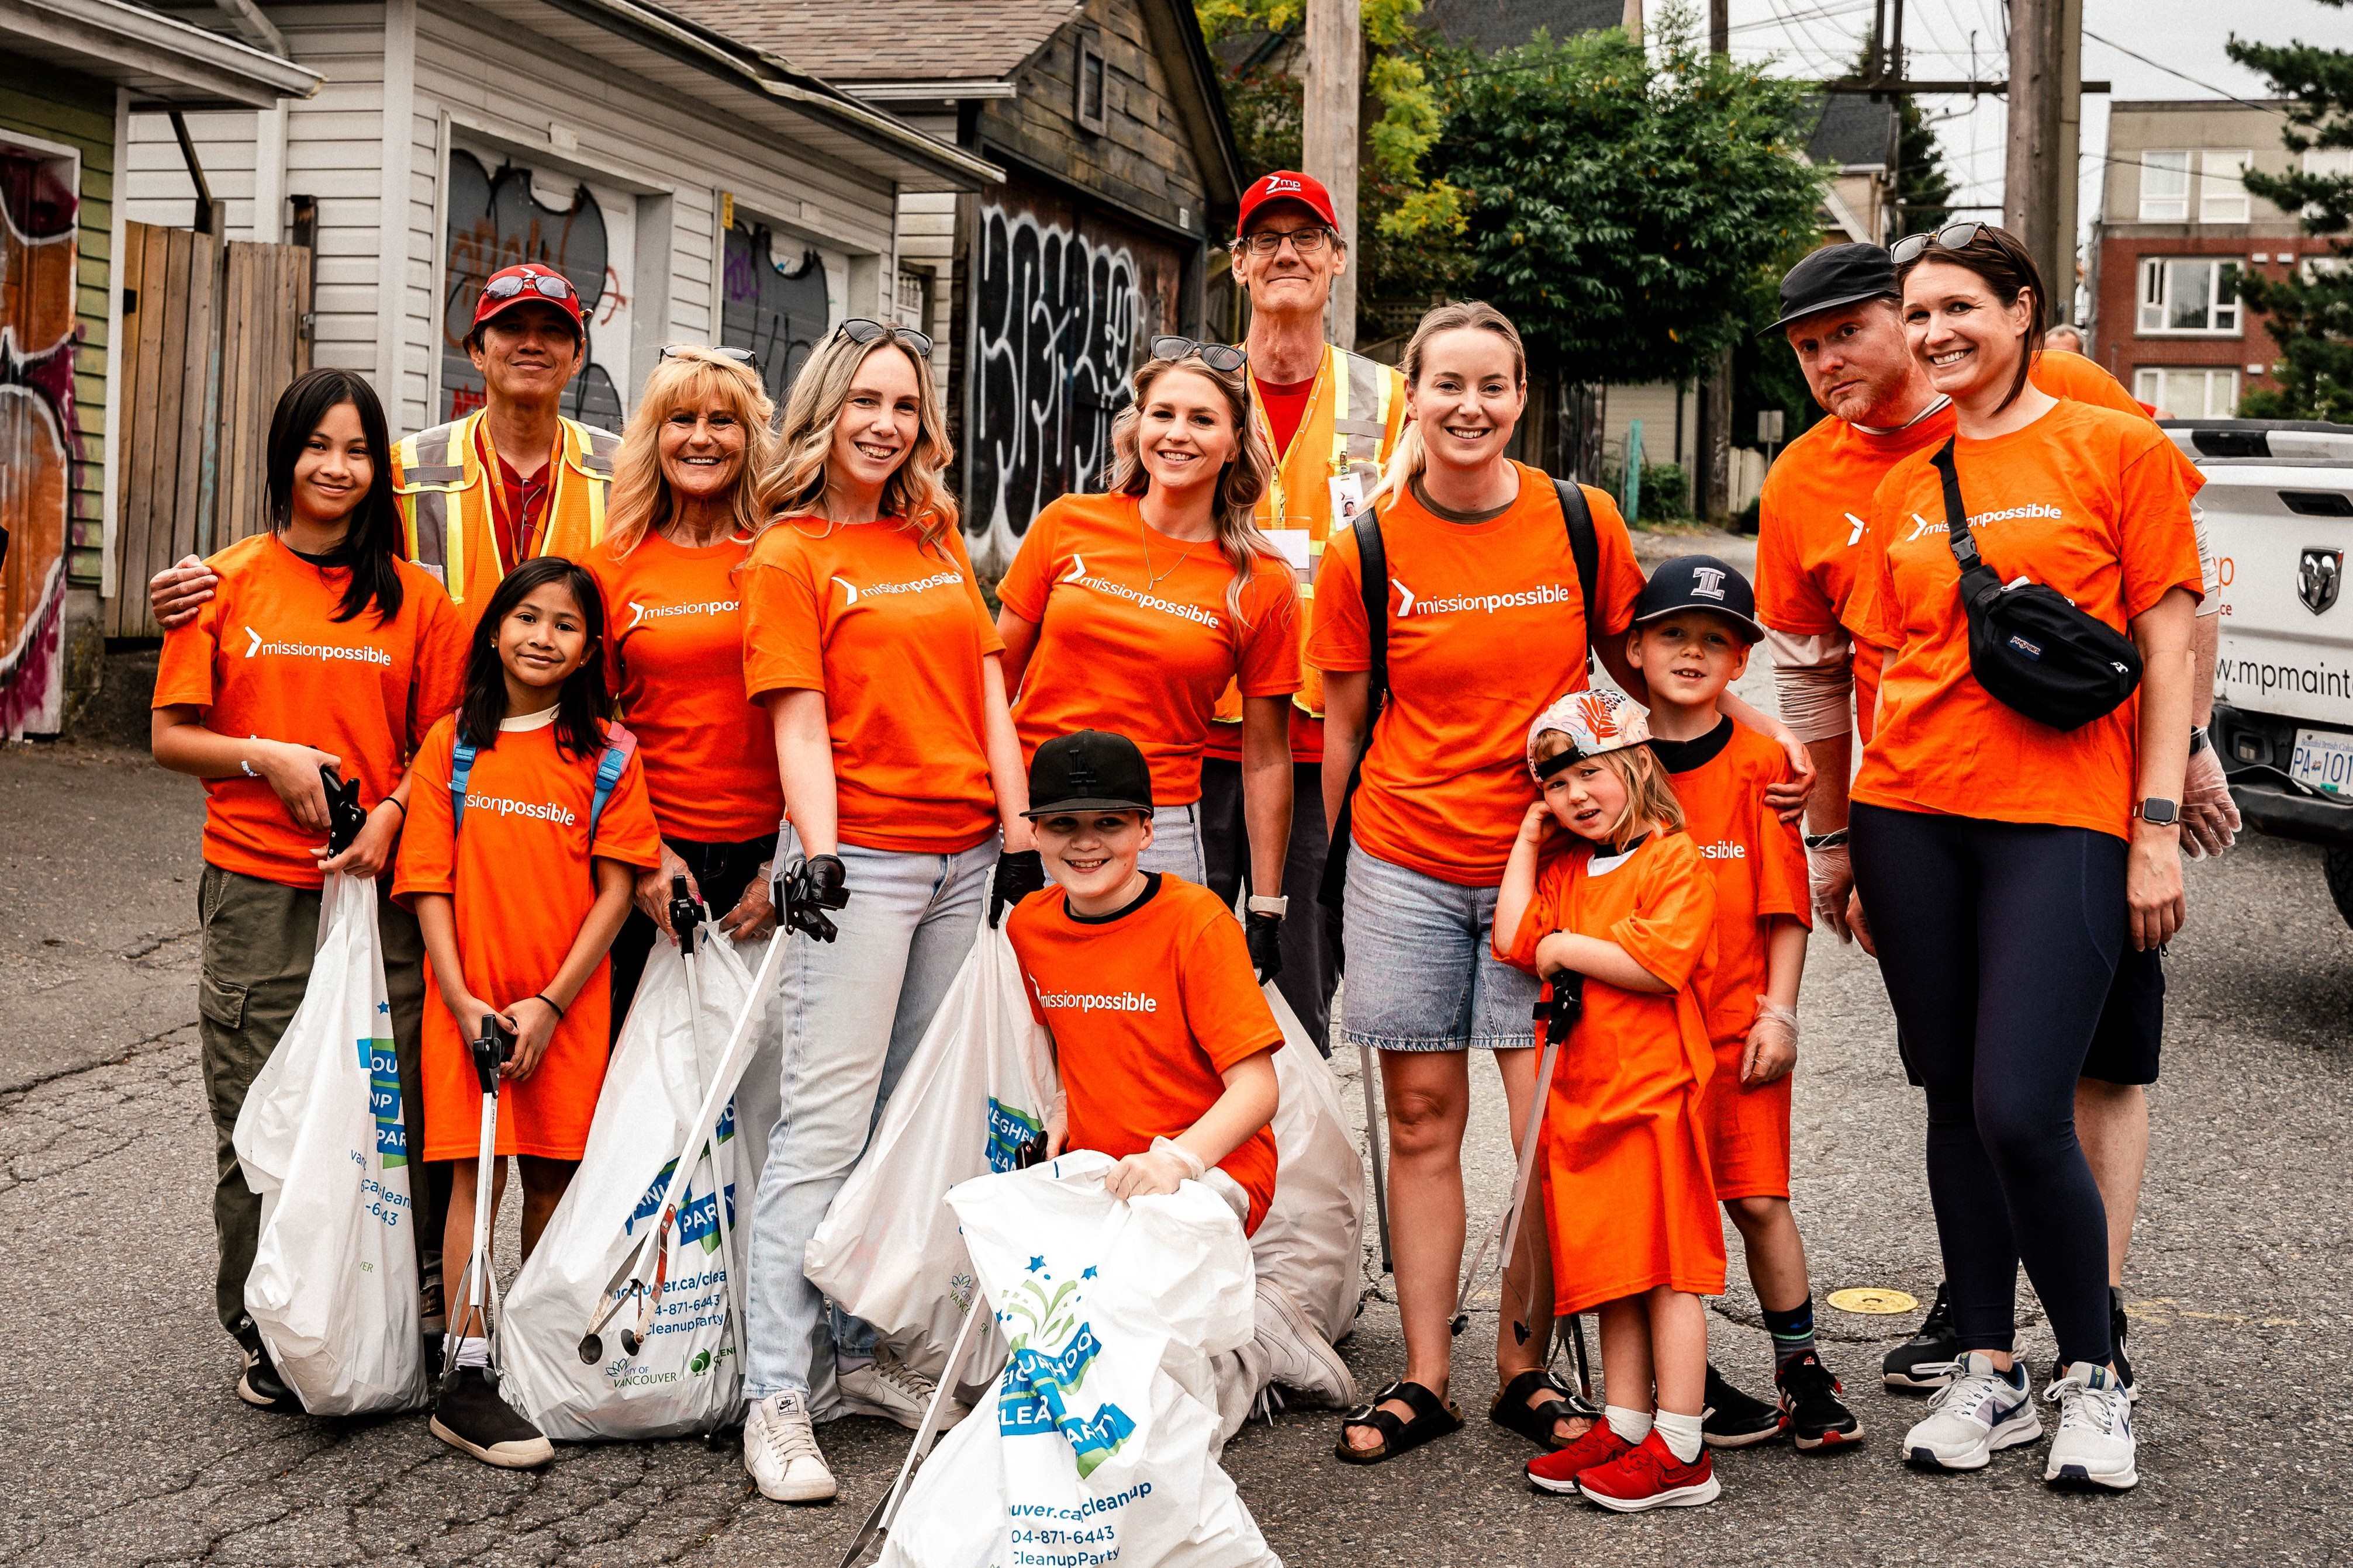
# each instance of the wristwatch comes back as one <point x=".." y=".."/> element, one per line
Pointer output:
<point x="2159" y="812"/>
<point x="1263" y="904"/>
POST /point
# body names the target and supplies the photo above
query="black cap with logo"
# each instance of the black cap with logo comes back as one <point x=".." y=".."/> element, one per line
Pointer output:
<point x="1833" y="276"/>
<point x="1089" y="770"/>
<point x="1699" y="583"/>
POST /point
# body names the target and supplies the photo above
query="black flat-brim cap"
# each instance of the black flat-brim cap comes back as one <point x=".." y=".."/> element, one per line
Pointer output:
<point x="1699" y="583"/>
<point x="1089" y="770"/>
<point x="1833" y="276"/>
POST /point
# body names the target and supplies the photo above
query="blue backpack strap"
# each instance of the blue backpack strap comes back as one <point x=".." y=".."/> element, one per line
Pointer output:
<point x="620" y="745"/>
<point x="461" y="768"/>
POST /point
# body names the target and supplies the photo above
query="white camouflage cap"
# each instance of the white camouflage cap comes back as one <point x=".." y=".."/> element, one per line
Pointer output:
<point x="1597" y="720"/>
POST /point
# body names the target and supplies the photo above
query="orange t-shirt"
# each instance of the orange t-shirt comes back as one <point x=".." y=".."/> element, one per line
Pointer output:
<point x="2085" y="500"/>
<point x="1627" y="1182"/>
<point x="1122" y="647"/>
<point x="266" y="657"/>
<point x="1148" y="1007"/>
<point x="894" y="633"/>
<point x="674" y="640"/>
<point x="518" y="873"/>
<point x="1486" y="627"/>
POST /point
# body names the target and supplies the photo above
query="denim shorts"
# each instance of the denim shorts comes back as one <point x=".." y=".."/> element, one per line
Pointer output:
<point x="1176" y="844"/>
<point x="1421" y="977"/>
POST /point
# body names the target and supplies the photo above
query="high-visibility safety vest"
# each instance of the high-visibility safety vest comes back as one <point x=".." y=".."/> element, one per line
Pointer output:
<point x="1351" y="423"/>
<point x="446" y="507"/>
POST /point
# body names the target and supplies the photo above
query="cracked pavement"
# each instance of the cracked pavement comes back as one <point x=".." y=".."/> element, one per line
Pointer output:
<point x="123" y="1444"/>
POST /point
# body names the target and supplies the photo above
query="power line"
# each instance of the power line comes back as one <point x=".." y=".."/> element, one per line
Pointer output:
<point x="2185" y="76"/>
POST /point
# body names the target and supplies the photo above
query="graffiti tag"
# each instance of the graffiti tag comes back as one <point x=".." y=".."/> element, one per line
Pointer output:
<point x="780" y="312"/>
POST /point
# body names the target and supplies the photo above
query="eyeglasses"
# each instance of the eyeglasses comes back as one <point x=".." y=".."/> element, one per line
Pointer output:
<point x="1217" y="357"/>
<point x="1952" y="236"/>
<point x="546" y="285"/>
<point x="1307" y="241"/>
<point x="860" y="331"/>
<point x="744" y="357"/>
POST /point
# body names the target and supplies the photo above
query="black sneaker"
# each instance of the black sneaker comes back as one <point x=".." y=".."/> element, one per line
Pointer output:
<point x="1819" y="1419"/>
<point x="1931" y="1357"/>
<point x="258" y="1384"/>
<point x="2117" y="1324"/>
<point x="1733" y="1419"/>
<point x="469" y="1414"/>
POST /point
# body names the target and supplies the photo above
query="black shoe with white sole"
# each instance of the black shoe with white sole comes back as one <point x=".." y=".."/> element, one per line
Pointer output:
<point x="469" y="1413"/>
<point x="1931" y="1357"/>
<point x="258" y="1384"/>
<point x="1817" y="1418"/>
<point x="1733" y="1419"/>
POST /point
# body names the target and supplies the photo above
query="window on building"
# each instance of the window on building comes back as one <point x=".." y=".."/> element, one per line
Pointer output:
<point x="2165" y="188"/>
<point x="913" y="299"/>
<point x="2327" y="161"/>
<point x="1090" y="86"/>
<point x="2189" y="294"/>
<point x="2182" y="393"/>
<point x="2223" y="186"/>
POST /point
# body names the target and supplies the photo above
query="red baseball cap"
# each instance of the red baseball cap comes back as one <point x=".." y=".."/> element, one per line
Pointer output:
<point x="1288" y="186"/>
<point x="525" y="284"/>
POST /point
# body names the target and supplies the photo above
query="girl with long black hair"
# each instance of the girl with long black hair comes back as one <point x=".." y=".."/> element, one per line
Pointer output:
<point x="323" y="650"/>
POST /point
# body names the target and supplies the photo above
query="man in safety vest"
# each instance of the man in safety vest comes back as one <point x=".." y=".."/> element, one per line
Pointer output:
<point x="1330" y="416"/>
<point x="512" y="480"/>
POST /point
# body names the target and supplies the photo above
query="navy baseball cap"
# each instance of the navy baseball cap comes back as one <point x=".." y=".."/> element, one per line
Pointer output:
<point x="1833" y="276"/>
<point x="1089" y="770"/>
<point x="1699" y="583"/>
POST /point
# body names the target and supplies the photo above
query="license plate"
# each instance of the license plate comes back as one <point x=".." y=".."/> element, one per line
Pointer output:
<point x="2324" y="759"/>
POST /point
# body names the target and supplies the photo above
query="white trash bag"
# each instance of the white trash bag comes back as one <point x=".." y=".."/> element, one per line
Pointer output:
<point x="333" y="1285"/>
<point x="1099" y="1441"/>
<point x="687" y="1376"/>
<point x="976" y="1091"/>
<point x="1311" y="1243"/>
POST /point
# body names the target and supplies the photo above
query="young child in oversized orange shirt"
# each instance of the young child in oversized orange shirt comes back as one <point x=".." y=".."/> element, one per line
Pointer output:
<point x="1630" y="908"/>
<point x="520" y="899"/>
<point x="1694" y="625"/>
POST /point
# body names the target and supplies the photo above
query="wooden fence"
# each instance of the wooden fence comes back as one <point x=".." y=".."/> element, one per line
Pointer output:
<point x="212" y="334"/>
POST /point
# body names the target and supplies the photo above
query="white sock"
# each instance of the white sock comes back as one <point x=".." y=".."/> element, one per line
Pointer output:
<point x="1680" y="1434"/>
<point x="472" y="1350"/>
<point x="1633" y="1425"/>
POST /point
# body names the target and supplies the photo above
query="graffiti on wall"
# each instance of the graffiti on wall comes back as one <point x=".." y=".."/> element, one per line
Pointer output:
<point x="38" y="441"/>
<point x="779" y="311"/>
<point x="1059" y="329"/>
<point x="498" y="220"/>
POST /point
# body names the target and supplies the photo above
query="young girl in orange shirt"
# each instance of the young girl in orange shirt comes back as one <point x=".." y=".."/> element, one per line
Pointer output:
<point x="1629" y="910"/>
<point x="520" y="899"/>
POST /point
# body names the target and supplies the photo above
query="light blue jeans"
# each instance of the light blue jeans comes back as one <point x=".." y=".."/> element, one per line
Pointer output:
<point x="1176" y="845"/>
<point x="854" y="1010"/>
<point x="1422" y="977"/>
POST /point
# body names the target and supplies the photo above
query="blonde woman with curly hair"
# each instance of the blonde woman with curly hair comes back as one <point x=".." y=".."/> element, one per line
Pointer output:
<point x="1131" y="611"/>
<point x="685" y="505"/>
<point x="867" y="642"/>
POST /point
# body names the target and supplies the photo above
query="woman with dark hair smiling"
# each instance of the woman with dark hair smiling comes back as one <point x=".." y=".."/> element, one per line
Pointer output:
<point x="322" y="649"/>
<point x="2005" y="859"/>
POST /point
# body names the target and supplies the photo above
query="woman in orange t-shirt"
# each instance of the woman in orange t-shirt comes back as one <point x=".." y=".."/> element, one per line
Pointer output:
<point x="320" y="646"/>
<point x="1134" y="611"/>
<point x="2004" y="865"/>
<point x="868" y="641"/>
<point x="685" y="507"/>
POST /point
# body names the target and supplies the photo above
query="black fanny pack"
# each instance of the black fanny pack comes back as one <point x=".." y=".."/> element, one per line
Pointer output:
<point x="2029" y="644"/>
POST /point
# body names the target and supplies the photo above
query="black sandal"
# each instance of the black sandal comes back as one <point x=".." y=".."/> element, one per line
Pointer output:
<point x="1432" y="1417"/>
<point x="1536" y="1423"/>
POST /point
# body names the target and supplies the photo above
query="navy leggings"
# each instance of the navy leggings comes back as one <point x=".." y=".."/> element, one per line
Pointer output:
<point x="1998" y="941"/>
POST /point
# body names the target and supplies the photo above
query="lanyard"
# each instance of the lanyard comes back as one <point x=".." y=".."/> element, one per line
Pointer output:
<point x="1276" y="490"/>
<point x="504" y="524"/>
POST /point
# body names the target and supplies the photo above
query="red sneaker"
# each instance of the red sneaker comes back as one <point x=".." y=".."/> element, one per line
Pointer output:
<point x="1650" y="1476"/>
<point x="1556" y="1472"/>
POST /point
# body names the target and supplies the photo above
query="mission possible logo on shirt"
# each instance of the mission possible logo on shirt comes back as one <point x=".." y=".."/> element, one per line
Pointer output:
<point x="1079" y="576"/>
<point x="1098" y="1000"/>
<point x="662" y="612"/>
<point x="257" y="646"/>
<point x="1409" y="603"/>
<point x="853" y="593"/>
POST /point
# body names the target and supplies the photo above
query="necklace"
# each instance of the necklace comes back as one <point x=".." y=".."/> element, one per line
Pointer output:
<point x="1144" y="537"/>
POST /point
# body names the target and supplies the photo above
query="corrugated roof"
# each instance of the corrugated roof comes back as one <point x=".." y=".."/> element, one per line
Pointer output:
<point x="888" y="40"/>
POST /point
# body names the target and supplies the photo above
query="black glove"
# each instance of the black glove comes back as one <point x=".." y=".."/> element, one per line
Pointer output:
<point x="1019" y="873"/>
<point x="1264" y="934"/>
<point x="807" y="888"/>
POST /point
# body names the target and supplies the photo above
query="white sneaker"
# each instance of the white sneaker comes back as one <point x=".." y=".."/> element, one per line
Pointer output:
<point x="2095" y="1444"/>
<point x="1297" y="1357"/>
<point x="1978" y="1412"/>
<point x="888" y="1388"/>
<point x="781" y="1451"/>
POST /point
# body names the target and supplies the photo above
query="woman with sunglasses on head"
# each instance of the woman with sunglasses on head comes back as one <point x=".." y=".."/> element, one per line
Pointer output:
<point x="1135" y="610"/>
<point x="867" y="641"/>
<point x="684" y="509"/>
<point x="2007" y="862"/>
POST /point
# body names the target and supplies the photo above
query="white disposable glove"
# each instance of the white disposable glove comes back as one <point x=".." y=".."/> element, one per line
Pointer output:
<point x="2210" y="817"/>
<point x="1158" y="1171"/>
<point x="1772" y="1048"/>
<point x="1833" y="880"/>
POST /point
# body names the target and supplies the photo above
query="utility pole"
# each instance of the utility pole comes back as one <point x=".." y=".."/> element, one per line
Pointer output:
<point x="1335" y="55"/>
<point x="2039" y="173"/>
<point x="1716" y="392"/>
<point x="1631" y="19"/>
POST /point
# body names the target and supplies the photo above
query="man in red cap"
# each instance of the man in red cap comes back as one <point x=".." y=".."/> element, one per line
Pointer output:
<point x="1330" y="417"/>
<point x="512" y="480"/>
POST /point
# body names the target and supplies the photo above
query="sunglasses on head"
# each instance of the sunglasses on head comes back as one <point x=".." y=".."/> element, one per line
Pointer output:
<point x="744" y="357"/>
<point x="1952" y="236"/>
<point x="546" y="285"/>
<point x="861" y="331"/>
<point x="1217" y="357"/>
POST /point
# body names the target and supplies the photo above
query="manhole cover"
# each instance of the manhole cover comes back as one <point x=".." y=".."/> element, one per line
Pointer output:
<point x="1873" y="1299"/>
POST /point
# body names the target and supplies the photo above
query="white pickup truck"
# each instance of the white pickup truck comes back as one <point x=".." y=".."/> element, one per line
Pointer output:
<point x="2278" y="506"/>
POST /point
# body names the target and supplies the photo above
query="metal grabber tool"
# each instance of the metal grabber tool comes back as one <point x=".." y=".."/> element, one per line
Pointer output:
<point x="479" y="1297"/>
<point x="1563" y="1003"/>
<point x="1380" y="1162"/>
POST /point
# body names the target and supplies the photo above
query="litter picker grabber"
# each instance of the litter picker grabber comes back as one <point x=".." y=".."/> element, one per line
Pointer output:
<point x="1380" y="1164"/>
<point x="345" y="816"/>
<point x="686" y="918"/>
<point x="1564" y="1001"/>
<point x="878" y="1524"/>
<point x="480" y="1294"/>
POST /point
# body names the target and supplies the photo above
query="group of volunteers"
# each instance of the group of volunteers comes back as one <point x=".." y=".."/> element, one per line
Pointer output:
<point x="1322" y="655"/>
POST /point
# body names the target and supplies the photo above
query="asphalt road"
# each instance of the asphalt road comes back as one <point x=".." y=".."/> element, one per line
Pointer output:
<point x="122" y="1443"/>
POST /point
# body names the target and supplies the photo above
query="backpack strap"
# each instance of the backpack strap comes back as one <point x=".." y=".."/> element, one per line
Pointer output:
<point x="461" y="769"/>
<point x="1584" y="547"/>
<point x="1373" y="567"/>
<point x="620" y="745"/>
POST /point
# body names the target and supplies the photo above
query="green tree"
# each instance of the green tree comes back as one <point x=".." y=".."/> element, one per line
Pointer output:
<point x="1923" y="184"/>
<point x="2310" y="314"/>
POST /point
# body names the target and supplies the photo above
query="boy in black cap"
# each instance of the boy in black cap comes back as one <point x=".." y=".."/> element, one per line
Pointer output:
<point x="1165" y="1041"/>
<point x="1694" y="625"/>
